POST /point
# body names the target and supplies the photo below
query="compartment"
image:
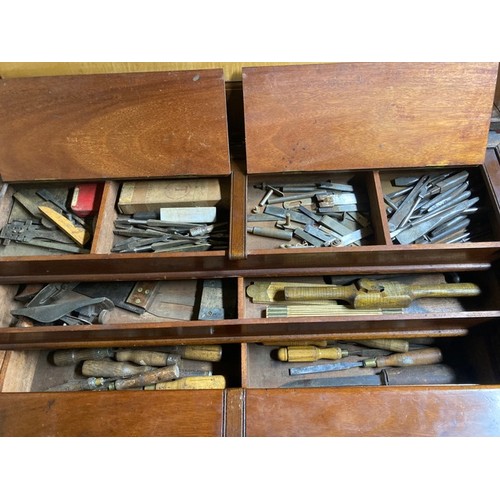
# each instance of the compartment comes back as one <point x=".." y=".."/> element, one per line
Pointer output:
<point x="439" y="205"/>
<point x="49" y="218"/>
<point x="134" y="231"/>
<point x="81" y="304"/>
<point x="73" y="370"/>
<point x="325" y="210"/>
<point x="462" y="361"/>
<point x="377" y="305"/>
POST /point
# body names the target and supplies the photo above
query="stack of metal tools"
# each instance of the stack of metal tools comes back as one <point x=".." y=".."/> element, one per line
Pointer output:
<point x="366" y="362"/>
<point x="94" y="302"/>
<point x="324" y="214"/>
<point x="149" y="233"/>
<point x="434" y="208"/>
<point x="160" y="368"/>
<point x="41" y="218"/>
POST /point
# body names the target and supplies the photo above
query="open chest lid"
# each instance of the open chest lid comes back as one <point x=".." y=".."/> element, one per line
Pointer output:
<point x="114" y="126"/>
<point x="324" y="117"/>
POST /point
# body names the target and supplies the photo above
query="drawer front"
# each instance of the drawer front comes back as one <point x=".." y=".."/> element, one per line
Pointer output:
<point x="112" y="414"/>
<point x="382" y="411"/>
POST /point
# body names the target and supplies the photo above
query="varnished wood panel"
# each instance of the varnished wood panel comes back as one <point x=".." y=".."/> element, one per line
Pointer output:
<point x="127" y="413"/>
<point x="374" y="411"/>
<point x="367" y="115"/>
<point x="106" y="126"/>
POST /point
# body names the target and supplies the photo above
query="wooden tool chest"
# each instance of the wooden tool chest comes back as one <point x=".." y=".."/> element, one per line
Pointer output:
<point x="355" y="126"/>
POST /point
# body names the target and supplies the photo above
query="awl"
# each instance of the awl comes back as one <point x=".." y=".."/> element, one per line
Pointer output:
<point x="429" y="356"/>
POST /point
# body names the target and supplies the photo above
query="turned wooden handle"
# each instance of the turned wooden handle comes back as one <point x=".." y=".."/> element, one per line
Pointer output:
<point x="213" y="382"/>
<point x="152" y="377"/>
<point x="429" y="356"/>
<point x="68" y="357"/>
<point x="202" y="352"/>
<point x="112" y="369"/>
<point x="395" y="345"/>
<point x="147" y="358"/>
<point x="298" y="354"/>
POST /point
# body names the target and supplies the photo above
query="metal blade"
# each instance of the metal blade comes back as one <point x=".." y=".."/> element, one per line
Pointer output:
<point x="327" y="367"/>
<point x="336" y="381"/>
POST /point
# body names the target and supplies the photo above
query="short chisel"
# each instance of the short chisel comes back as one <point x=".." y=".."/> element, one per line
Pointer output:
<point x="429" y="356"/>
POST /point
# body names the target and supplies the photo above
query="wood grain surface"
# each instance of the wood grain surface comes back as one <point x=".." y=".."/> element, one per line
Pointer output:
<point x="164" y="413"/>
<point x="135" y="125"/>
<point x="374" y="411"/>
<point x="366" y="115"/>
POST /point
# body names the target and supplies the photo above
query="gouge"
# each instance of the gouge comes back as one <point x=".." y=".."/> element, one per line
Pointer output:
<point x="213" y="382"/>
<point x="153" y="377"/>
<point x="369" y="294"/>
<point x="299" y="354"/>
<point x="429" y="356"/>
<point x="108" y="368"/>
<point x="195" y="352"/>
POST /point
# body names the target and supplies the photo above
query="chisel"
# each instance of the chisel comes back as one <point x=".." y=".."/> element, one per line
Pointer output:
<point x="300" y="354"/>
<point x="147" y="358"/>
<point x="429" y="356"/>
<point x="68" y="357"/>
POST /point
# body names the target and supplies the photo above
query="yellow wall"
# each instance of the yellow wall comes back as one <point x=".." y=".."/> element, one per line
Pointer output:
<point x="232" y="70"/>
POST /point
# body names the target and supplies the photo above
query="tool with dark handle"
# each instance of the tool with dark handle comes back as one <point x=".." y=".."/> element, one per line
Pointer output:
<point x="395" y="345"/>
<point x="68" y="357"/>
<point x="429" y="356"/>
<point x="153" y="377"/>
<point x="369" y="294"/>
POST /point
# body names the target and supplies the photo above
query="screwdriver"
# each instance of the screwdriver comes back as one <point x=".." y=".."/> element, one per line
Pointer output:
<point x="429" y="356"/>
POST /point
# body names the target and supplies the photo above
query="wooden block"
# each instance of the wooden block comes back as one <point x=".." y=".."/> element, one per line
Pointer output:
<point x="189" y="214"/>
<point x="142" y="196"/>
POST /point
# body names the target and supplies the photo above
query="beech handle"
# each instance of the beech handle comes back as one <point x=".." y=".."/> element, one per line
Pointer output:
<point x="445" y="290"/>
<point x="68" y="357"/>
<point x="112" y="369"/>
<point x="147" y="358"/>
<point x="298" y="354"/>
<point x="212" y="382"/>
<point x="429" y="356"/>
<point x="202" y="352"/>
<point x="395" y="345"/>
<point x="152" y="377"/>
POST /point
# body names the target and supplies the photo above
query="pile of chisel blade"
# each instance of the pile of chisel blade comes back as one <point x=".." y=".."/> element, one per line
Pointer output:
<point x="433" y="208"/>
<point x="155" y="235"/>
<point x="324" y="214"/>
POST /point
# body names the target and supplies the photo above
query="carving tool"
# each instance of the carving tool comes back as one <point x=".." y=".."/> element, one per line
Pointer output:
<point x="110" y="368"/>
<point x="428" y="356"/>
<point x="154" y="376"/>
<point x="79" y="235"/>
<point x="395" y="345"/>
<point x="147" y="358"/>
<point x="211" y="353"/>
<point x="372" y="294"/>
<point x="210" y="382"/>
<point x="88" y="384"/>
<point x="68" y="357"/>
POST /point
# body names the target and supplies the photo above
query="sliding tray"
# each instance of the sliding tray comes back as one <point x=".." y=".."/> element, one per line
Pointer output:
<point x="330" y="139"/>
<point x="69" y="134"/>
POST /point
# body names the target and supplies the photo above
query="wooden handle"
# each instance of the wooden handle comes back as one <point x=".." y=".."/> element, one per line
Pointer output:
<point x="333" y="292"/>
<point x="202" y="352"/>
<point x="108" y="368"/>
<point x="395" y="345"/>
<point x="153" y="377"/>
<point x="429" y="356"/>
<point x="68" y="357"/>
<point x="147" y="358"/>
<point x="445" y="290"/>
<point x="213" y="382"/>
<point x="298" y="354"/>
